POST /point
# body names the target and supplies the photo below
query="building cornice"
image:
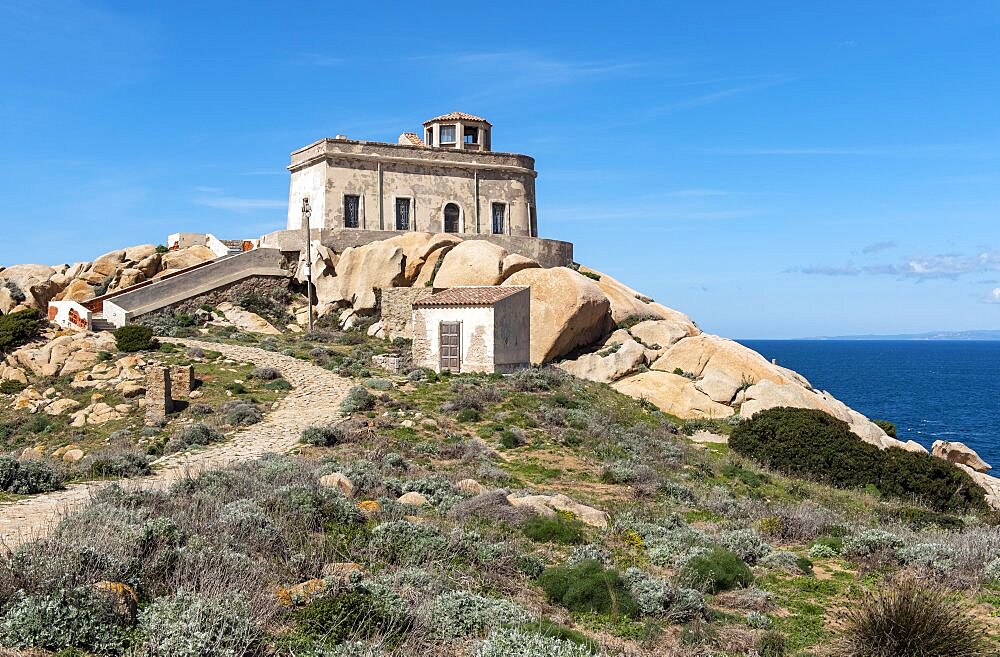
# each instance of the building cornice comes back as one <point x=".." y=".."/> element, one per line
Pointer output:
<point x="406" y="154"/>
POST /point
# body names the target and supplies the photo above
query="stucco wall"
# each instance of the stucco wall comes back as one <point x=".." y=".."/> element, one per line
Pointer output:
<point x="512" y="332"/>
<point x="431" y="178"/>
<point x="477" y="347"/>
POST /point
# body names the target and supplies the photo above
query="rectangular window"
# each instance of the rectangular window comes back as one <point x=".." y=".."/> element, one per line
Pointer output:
<point x="471" y="135"/>
<point x="402" y="214"/>
<point x="352" y="211"/>
<point x="447" y="134"/>
<point x="499" y="215"/>
<point x="430" y="137"/>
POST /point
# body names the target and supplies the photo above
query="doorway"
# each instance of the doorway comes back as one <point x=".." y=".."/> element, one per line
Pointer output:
<point x="450" y="346"/>
<point x="451" y="218"/>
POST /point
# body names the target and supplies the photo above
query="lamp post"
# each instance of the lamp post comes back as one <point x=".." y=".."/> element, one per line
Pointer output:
<point x="306" y="214"/>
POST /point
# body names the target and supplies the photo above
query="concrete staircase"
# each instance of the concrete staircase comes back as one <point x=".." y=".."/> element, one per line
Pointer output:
<point x="98" y="323"/>
<point x="124" y="305"/>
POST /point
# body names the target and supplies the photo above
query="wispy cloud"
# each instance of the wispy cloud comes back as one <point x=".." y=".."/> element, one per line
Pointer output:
<point x="758" y="84"/>
<point x="925" y="267"/>
<point x="993" y="296"/>
<point x="877" y="247"/>
<point x="239" y="204"/>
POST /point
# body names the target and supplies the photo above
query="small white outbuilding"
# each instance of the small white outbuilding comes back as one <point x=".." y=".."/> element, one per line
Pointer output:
<point x="473" y="329"/>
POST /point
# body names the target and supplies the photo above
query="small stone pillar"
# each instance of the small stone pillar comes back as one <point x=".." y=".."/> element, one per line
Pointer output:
<point x="158" y="401"/>
<point x="181" y="381"/>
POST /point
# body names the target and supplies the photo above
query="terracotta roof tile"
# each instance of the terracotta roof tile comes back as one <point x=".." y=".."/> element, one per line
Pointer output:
<point x="457" y="116"/>
<point x="413" y="138"/>
<point x="469" y="296"/>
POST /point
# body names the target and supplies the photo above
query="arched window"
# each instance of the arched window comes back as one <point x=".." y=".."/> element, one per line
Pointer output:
<point x="451" y="218"/>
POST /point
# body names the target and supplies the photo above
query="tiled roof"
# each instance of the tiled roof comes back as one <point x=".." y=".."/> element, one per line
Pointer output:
<point x="457" y="116"/>
<point x="413" y="138"/>
<point x="469" y="296"/>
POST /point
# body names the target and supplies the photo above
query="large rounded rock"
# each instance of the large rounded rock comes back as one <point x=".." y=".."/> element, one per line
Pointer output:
<point x="189" y="257"/>
<point x="363" y="269"/>
<point x="626" y="302"/>
<point x="672" y="393"/>
<point x="473" y="262"/>
<point x="129" y="277"/>
<point x="663" y="333"/>
<point x="428" y="269"/>
<point x="139" y="252"/>
<point x="957" y="452"/>
<point x="515" y="262"/>
<point x="620" y="357"/>
<point x="417" y="247"/>
<point x="567" y="311"/>
<point x="109" y="263"/>
<point x="78" y="290"/>
<point x="724" y="360"/>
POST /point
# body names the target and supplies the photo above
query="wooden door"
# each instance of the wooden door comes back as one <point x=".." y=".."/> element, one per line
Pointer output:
<point x="451" y="346"/>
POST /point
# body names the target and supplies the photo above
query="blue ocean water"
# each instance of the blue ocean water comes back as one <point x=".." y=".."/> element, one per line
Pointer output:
<point x="932" y="390"/>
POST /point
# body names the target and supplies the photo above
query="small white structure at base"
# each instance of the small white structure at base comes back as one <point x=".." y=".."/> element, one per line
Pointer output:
<point x="473" y="329"/>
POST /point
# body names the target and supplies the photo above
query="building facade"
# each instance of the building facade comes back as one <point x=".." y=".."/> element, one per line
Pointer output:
<point x="473" y="329"/>
<point x="447" y="180"/>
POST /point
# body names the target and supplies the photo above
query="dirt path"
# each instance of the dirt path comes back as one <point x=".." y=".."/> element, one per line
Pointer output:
<point x="314" y="400"/>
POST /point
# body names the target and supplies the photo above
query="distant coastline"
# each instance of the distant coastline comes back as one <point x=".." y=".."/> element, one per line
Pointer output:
<point x="987" y="336"/>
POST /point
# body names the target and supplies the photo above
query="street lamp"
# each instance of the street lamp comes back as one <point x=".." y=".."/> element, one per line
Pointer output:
<point x="306" y="214"/>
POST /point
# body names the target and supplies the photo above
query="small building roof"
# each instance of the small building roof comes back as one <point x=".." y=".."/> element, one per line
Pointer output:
<point x="458" y="116"/>
<point x="411" y="138"/>
<point x="469" y="296"/>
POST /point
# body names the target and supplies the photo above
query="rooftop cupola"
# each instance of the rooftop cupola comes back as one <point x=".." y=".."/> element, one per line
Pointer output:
<point x="459" y="131"/>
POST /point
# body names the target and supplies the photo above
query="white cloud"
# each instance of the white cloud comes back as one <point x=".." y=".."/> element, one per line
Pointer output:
<point x="993" y="296"/>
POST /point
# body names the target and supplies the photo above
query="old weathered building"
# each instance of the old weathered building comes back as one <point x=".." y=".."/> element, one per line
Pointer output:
<point x="473" y="329"/>
<point x="446" y="181"/>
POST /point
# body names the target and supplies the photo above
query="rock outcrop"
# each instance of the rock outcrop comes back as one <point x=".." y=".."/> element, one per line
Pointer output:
<point x="473" y="262"/>
<point x="960" y="453"/>
<point x="567" y="311"/>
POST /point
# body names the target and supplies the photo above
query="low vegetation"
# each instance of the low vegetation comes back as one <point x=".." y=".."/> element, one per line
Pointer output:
<point x="19" y="328"/>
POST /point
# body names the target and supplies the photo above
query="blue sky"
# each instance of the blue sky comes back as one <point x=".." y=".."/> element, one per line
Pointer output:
<point x="774" y="169"/>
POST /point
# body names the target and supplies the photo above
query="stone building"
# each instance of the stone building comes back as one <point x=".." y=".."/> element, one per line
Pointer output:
<point x="447" y="180"/>
<point x="473" y="329"/>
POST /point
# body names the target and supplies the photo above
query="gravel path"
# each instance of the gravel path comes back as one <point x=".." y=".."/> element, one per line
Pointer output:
<point x="314" y="400"/>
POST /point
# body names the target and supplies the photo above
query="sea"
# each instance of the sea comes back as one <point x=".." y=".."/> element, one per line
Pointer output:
<point x="931" y="389"/>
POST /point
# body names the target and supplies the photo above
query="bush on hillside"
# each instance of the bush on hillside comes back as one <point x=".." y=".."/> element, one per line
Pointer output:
<point x="191" y="625"/>
<point x="83" y="618"/>
<point x="910" y="618"/>
<point x="588" y="586"/>
<point x="518" y="643"/>
<point x="810" y="443"/>
<point x="555" y="529"/>
<point x="11" y="387"/>
<point x="134" y="337"/>
<point x="27" y="477"/>
<point x="358" y="399"/>
<point x="716" y="570"/>
<point x="19" y="328"/>
<point x="885" y="425"/>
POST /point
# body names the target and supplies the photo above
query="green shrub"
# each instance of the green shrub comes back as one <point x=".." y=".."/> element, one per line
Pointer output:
<point x="66" y="618"/>
<point x="134" y="337"/>
<point x="456" y="614"/>
<point x="241" y="413"/>
<point x="519" y="643"/>
<point x="11" y="387"/>
<point x="509" y="438"/>
<point x="358" y="399"/>
<point x="124" y="464"/>
<point x="278" y="384"/>
<point x="196" y="434"/>
<point x="192" y="625"/>
<point x="547" y="628"/>
<point x="265" y="373"/>
<point x="910" y="619"/>
<point x="555" y="529"/>
<point x="322" y="436"/>
<point x="27" y="477"/>
<point x="365" y="610"/>
<point x="716" y="570"/>
<point x="236" y="388"/>
<point x="772" y="644"/>
<point x="378" y="384"/>
<point x="405" y="543"/>
<point x="19" y="328"/>
<point x="468" y="415"/>
<point x="590" y="274"/>
<point x="160" y="248"/>
<point x="809" y="443"/>
<point x="588" y="586"/>
<point x="886" y="426"/>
